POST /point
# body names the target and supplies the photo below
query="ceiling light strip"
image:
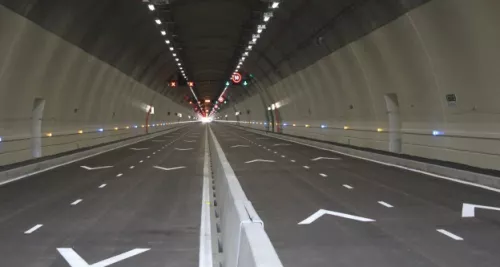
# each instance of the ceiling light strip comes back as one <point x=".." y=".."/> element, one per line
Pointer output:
<point x="171" y="46"/>
<point x="273" y="5"/>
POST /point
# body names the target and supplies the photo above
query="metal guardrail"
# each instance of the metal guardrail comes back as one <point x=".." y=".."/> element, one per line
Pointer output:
<point x="243" y="241"/>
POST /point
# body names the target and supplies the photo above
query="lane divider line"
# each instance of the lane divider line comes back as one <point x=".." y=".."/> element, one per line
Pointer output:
<point x="385" y="204"/>
<point x="449" y="234"/>
<point x="33" y="229"/>
<point x="76" y="202"/>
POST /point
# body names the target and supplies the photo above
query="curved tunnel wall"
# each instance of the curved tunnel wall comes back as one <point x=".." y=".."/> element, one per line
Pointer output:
<point x="440" y="48"/>
<point x="82" y="95"/>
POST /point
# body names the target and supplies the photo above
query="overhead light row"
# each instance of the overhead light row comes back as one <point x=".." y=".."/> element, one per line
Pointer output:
<point x="171" y="46"/>
<point x="255" y="37"/>
<point x="172" y="49"/>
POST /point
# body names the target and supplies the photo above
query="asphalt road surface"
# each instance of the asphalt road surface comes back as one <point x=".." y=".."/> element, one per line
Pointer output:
<point x="134" y="206"/>
<point x="368" y="214"/>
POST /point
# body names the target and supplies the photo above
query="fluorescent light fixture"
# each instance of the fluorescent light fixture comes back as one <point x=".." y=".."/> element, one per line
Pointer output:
<point x="100" y="130"/>
<point x="275" y="5"/>
<point x="135" y="126"/>
<point x="151" y="7"/>
<point x="323" y="126"/>
<point x="268" y="16"/>
<point x="80" y="131"/>
<point x="164" y="33"/>
<point x="167" y="41"/>
<point x="259" y="30"/>
<point x="171" y="49"/>
<point x="245" y="54"/>
<point x="268" y="108"/>
<point x="249" y="47"/>
<point x="158" y="21"/>
<point x="176" y="59"/>
<point x="174" y="54"/>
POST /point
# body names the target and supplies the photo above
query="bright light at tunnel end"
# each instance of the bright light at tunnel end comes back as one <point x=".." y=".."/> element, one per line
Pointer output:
<point x="206" y="120"/>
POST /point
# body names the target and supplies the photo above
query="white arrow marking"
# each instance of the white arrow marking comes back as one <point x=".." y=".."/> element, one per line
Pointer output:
<point x="348" y="186"/>
<point x="385" y="204"/>
<point x="169" y="169"/>
<point x="138" y="149"/>
<point x="102" y="186"/>
<point x="34" y="228"/>
<point x="76" y="202"/>
<point x="189" y="141"/>
<point x="259" y="160"/>
<point x="320" y="158"/>
<point x="322" y="212"/>
<point x="282" y="144"/>
<point x="468" y="210"/>
<point x="183" y="149"/>
<point x="75" y="260"/>
<point x="239" y="146"/>
<point x="96" y="168"/>
<point x="454" y="236"/>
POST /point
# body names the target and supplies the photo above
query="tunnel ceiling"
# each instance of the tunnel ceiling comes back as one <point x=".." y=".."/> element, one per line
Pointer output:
<point x="209" y="36"/>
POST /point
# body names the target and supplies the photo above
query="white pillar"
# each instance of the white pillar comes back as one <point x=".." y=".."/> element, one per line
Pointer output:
<point x="392" y="105"/>
<point x="36" y="127"/>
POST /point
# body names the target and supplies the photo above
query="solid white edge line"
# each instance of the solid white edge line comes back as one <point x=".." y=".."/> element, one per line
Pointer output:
<point x="387" y="205"/>
<point x="75" y="160"/>
<point x="76" y="202"/>
<point x="397" y="166"/>
<point x="205" y="256"/>
<point x="449" y="234"/>
<point x="33" y="229"/>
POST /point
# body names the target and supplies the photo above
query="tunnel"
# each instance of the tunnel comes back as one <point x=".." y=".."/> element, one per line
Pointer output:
<point x="249" y="133"/>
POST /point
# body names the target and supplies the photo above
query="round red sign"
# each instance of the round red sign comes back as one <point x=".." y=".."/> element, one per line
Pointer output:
<point x="236" y="78"/>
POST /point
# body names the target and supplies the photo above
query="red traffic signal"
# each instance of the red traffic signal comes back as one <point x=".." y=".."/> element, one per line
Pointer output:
<point x="190" y="84"/>
<point x="173" y="84"/>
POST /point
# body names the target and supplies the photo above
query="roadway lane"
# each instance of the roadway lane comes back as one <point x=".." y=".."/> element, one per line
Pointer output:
<point x="408" y="208"/>
<point x="103" y="213"/>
